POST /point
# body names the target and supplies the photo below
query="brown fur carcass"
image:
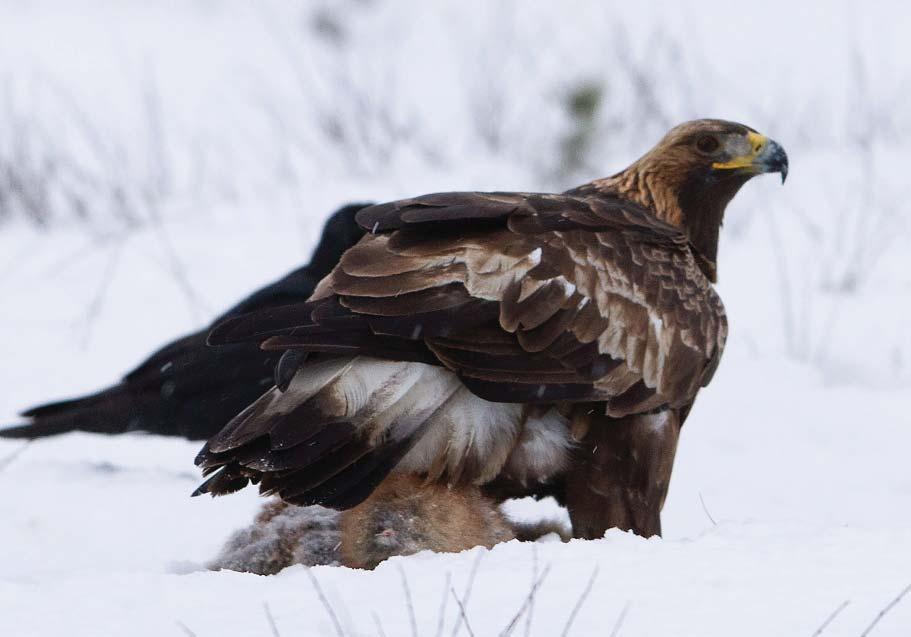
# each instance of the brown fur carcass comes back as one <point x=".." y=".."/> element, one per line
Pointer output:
<point x="402" y="516"/>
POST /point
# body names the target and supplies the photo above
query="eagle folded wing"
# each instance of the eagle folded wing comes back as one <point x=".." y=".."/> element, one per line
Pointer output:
<point x="535" y="298"/>
<point x="527" y="298"/>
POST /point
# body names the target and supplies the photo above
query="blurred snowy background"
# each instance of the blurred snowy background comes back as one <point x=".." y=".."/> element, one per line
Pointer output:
<point x="159" y="160"/>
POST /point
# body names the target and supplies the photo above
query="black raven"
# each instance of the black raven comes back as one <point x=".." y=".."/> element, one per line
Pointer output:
<point x="187" y="388"/>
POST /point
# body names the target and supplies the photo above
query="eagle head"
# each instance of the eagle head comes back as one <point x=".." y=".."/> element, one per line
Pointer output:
<point x="712" y="151"/>
<point x="691" y="175"/>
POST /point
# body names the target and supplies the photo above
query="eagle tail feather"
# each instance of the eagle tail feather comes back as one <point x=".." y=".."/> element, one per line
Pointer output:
<point x="333" y="435"/>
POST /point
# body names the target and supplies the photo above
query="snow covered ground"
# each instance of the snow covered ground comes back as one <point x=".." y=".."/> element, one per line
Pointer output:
<point x="791" y="493"/>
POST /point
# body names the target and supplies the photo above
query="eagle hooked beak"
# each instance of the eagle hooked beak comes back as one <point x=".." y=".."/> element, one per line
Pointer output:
<point x="765" y="156"/>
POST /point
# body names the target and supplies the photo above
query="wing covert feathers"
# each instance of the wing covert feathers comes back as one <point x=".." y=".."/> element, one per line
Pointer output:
<point x="532" y="297"/>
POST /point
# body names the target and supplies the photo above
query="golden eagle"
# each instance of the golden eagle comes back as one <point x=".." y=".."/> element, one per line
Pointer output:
<point x="514" y="340"/>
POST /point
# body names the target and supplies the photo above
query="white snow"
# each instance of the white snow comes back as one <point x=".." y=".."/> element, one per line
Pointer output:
<point x="230" y="129"/>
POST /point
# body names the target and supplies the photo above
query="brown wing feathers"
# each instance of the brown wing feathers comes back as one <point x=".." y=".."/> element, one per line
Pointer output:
<point x="527" y="298"/>
<point x="650" y="296"/>
<point x="339" y="428"/>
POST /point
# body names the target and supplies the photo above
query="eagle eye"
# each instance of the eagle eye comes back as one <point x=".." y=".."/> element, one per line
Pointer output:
<point x="707" y="144"/>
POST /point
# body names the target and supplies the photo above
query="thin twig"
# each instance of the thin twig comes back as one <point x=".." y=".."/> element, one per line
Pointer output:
<point x="706" y="509"/>
<point x="184" y="628"/>
<point x="467" y="596"/>
<point x="830" y="618"/>
<point x="326" y="604"/>
<point x="442" y="615"/>
<point x="526" y="605"/>
<point x="580" y="602"/>
<point x="8" y="460"/>
<point x="531" y="602"/>
<point x="617" y="624"/>
<point x="885" y="610"/>
<point x="409" y="604"/>
<point x="179" y="272"/>
<point x="379" y="625"/>
<point x="174" y="265"/>
<point x="462" y="616"/>
<point x="97" y="301"/>
<point x="272" y="625"/>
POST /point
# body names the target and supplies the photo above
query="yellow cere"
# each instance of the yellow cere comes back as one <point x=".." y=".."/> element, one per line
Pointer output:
<point x="757" y="143"/>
